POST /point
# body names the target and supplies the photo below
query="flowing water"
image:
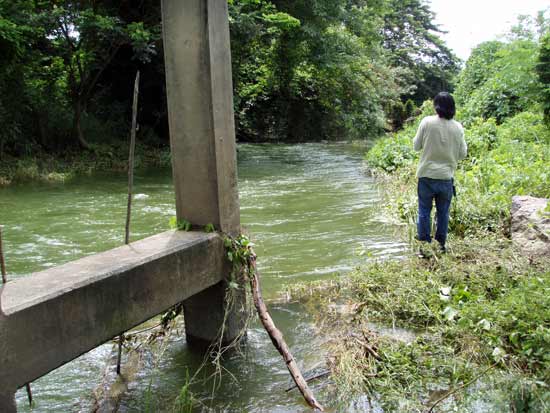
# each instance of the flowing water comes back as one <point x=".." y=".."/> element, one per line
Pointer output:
<point x="312" y="211"/>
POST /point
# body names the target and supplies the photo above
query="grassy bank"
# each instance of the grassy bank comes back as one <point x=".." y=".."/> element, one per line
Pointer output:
<point x="478" y="317"/>
<point x="60" y="167"/>
<point x="481" y="310"/>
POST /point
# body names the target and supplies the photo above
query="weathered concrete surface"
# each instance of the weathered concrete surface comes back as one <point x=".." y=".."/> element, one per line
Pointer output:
<point x="202" y="139"/>
<point x="200" y="110"/>
<point x="531" y="225"/>
<point x="53" y="316"/>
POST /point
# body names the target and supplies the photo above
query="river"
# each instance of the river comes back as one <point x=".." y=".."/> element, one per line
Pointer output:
<point x="312" y="212"/>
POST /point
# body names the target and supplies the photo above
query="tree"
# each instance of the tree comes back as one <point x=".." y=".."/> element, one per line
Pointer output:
<point x="499" y="80"/>
<point x="86" y="37"/>
<point x="15" y="34"/>
<point x="310" y="70"/>
<point x="543" y="72"/>
<point x="412" y="41"/>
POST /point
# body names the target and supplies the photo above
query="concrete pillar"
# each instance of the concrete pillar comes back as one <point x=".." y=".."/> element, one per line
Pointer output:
<point x="7" y="392"/>
<point x="202" y="138"/>
<point x="7" y="403"/>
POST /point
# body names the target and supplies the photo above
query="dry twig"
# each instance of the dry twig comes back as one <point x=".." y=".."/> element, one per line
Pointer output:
<point x="277" y="337"/>
<point x="462" y="386"/>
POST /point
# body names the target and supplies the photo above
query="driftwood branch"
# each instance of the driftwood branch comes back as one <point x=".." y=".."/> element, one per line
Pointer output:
<point x="277" y="337"/>
<point x="367" y="347"/>
<point x="310" y="379"/>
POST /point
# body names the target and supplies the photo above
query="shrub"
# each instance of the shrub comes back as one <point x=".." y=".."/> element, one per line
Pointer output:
<point x="504" y="160"/>
<point x="392" y="153"/>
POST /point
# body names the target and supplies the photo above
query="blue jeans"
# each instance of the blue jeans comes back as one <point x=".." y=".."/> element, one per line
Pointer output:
<point x="428" y="190"/>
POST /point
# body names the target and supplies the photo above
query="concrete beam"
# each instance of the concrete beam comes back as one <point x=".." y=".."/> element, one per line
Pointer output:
<point x="54" y="316"/>
<point x="202" y="139"/>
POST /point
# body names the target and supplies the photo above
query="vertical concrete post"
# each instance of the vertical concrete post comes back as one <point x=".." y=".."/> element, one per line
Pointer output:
<point x="7" y="393"/>
<point x="202" y="139"/>
<point x="7" y="403"/>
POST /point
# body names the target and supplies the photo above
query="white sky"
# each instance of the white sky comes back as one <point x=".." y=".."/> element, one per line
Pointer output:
<point x="470" y="22"/>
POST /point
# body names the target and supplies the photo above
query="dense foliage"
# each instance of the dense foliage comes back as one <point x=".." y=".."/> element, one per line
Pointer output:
<point x="303" y="70"/>
<point x="480" y="312"/>
<point x="501" y="105"/>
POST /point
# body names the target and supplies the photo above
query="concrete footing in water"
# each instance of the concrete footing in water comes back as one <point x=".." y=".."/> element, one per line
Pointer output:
<point x="7" y="403"/>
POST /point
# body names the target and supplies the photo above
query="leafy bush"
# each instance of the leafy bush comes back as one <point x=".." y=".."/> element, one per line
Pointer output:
<point x="499" y="80"/>
<point x="481" y="137"/>
<point x="395" y="150"/>
<point x="543" y="72"/>
<point x="526" y="127"/>
<point x="512" y="325"/>
<point x="504" y="160"/>
<point x="392" y="153"/>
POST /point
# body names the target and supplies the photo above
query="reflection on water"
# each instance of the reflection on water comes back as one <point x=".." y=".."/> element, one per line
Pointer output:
<point x="311" y="210"/>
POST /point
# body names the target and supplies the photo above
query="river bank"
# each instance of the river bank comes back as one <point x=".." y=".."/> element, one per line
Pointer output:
<point x="62" y="167"/>
<point x="479" y="321"/>
<point x="479" y="315"/>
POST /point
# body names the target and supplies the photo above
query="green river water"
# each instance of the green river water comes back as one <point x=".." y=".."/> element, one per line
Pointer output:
<point x="311" y="210"/>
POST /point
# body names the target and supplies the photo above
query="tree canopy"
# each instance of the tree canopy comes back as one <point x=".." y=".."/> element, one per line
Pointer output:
<point x="500" y="77"/>
<point x="303" y="70"/>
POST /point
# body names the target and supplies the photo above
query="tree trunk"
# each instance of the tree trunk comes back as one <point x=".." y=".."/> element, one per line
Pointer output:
<point x="77" y="125"/>
<point x="41" y="121"/>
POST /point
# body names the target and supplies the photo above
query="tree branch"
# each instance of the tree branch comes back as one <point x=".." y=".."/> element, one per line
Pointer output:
<point x="277" y="337"/>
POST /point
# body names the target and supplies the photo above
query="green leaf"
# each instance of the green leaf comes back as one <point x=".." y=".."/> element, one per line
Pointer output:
<point x="484" y="324"/>
<point x="498" y="354"/>
<point x="449" y="313"/>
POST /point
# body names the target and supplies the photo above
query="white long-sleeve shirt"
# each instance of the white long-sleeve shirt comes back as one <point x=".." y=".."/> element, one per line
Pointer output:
<point x="442" y="144"/>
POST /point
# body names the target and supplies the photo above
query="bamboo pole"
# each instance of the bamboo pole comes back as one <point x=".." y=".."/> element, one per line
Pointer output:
<point x="4" y="281"/>
<point x="131" y="158"/>
<point x="130" y="190"/>
<point x="29" y="393"/>
<point x="2" y="262"/>
<point x="277" y="337"/>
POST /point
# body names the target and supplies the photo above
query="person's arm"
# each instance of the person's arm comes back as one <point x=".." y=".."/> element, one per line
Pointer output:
<point x="418" y="142"/>
<point x="463" y="147"/>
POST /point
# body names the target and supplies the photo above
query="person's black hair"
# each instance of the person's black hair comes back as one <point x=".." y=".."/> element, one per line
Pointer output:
<point x="445" y="105"/>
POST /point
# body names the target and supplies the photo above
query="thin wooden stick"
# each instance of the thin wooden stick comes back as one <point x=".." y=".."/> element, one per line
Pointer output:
<point x="277" y="337"/>
<point x="131" y="158"/>
<point x="310" y="379"/>
<point x="130" y="189"/>
<point x="119" y="354"/>
<point x="29" y="393"/>
<point x="2" y="262"/>
<point x="462" y="386"/>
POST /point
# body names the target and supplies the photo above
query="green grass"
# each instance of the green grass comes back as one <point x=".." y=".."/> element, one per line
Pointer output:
<point x="480" y="306"/>
<point x="61" y="167"/>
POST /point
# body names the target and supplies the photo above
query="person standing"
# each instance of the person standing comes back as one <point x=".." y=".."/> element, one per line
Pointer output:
<point x="440" y="139"/>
